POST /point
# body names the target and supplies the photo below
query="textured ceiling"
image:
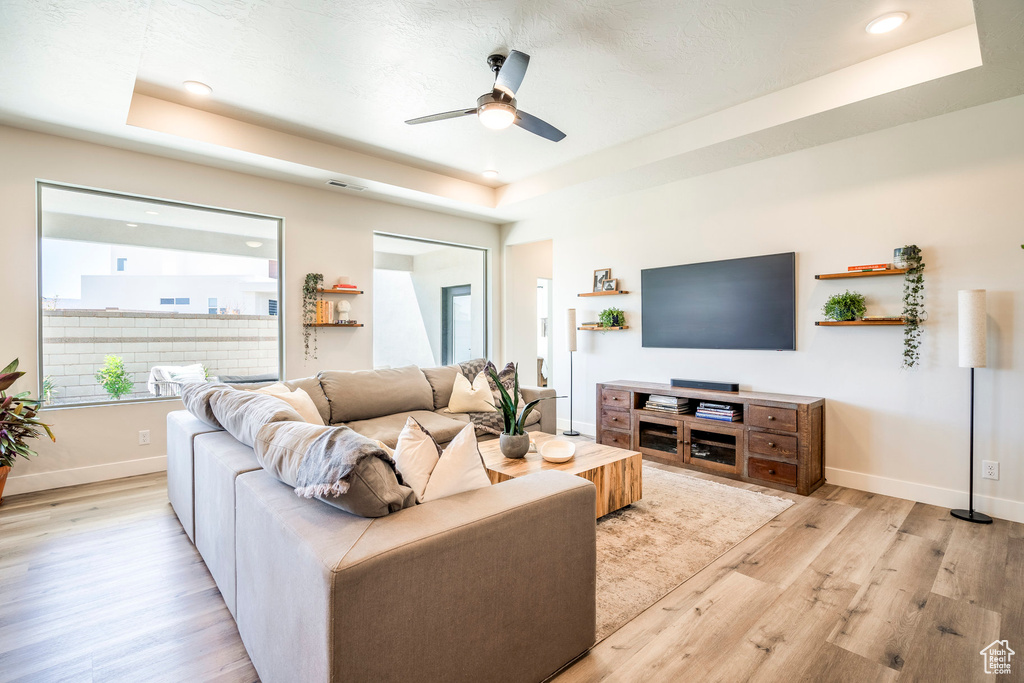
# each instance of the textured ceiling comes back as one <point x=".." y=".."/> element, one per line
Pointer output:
<point x="603" y="71"/>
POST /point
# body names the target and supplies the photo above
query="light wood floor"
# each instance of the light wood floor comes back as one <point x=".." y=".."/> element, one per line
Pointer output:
<point x="99" y="583"/>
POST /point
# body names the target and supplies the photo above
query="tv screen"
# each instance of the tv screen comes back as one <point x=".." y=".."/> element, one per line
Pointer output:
<point x="744" y="303"/>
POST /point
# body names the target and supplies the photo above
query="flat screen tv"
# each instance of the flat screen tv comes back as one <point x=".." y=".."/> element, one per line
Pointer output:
<point x="744" y="303"/>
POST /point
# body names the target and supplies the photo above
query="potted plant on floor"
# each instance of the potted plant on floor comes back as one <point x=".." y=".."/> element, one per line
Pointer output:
<point x="514" y="442"/>
<point x="18" y="423"/>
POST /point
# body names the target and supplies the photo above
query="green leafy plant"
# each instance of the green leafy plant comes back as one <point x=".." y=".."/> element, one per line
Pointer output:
<point x="114" y="378"/>
<point x="310" y="296"/>
<point x="913" y="306"/>
<point x="612" y="317"/>
<point x="18" y="419"/>
<point x="50" y="389"/>
<point x="846" y="306"/>
<point x="508" y="405"/>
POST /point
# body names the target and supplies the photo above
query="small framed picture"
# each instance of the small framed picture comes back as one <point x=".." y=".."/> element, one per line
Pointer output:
<point x="611" y="285"/>
<point x="599" y="278"/>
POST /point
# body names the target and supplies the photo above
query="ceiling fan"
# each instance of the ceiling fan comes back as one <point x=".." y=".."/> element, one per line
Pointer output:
<point x="497" y="109"/>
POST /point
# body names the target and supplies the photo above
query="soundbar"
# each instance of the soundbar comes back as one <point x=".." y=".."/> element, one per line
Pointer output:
<point x="710" y="386"/>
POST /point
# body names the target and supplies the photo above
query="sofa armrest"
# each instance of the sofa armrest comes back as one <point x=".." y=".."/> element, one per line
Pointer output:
<point x="548" y="410"/>
<point x="433" y="592"/>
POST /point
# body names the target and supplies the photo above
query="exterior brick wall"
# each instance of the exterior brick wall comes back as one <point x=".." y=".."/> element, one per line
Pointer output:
<point x="75" y="343"/>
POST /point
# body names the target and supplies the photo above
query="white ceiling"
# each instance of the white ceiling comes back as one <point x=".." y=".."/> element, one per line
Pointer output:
<point x="648" y="92"/>
<point x="603" y="71"/>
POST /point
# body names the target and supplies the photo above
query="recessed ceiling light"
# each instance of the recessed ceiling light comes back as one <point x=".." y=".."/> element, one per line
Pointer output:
<point x="197" y="88"/>
<point x="153" y="213"/>
<point x="490" y="174"/>
<point x="886" y="22"/>
<point x="254" y="244"/>
<point x="132" y="225"/>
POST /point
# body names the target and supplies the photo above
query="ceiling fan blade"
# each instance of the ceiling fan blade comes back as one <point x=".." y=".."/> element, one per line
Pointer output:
<point x="538" y="127"/>
<point x="441" y="117"/>
<point x="512" y="72"/>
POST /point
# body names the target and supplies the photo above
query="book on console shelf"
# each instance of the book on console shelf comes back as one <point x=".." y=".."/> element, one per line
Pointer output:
<point x="717" y="416"/>
<point x="666" y="409"/>
<point x="675" y="405"/>
<point x="722" y="412"/>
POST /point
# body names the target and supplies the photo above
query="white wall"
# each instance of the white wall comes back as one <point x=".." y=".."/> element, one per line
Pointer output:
<point x="524" y="264"/>
<point x="951" y="184"/>
<point x="326" y="231"/>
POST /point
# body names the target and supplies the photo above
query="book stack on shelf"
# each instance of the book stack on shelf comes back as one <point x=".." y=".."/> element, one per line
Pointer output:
<point x="324" y="312"/>
<point x="344" y="287"/>
<point x="723" y="412"/>
<point x="869" y="268"/>
<point x="668" y="404"/>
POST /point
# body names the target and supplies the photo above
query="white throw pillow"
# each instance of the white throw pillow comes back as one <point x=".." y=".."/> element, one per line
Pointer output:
<point x="298" y="399"/>
<point x="471" y="398"/>
<point x="461" y="468"/>
<point x="415" y="455"/>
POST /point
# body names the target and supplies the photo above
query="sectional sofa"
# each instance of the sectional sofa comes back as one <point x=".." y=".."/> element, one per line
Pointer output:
<point x="495" y="584"/>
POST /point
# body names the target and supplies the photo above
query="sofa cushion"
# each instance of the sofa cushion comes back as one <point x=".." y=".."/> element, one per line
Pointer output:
<point x="311" y="385"/>
<point x="297" y="399"/>
<point x="441" y="382"/>
<point x="368" y="394"/>
<point x="386" y="429"/>
<point x="415" y="456"/>
<point x="242" y="413"/>
<point x="471" y="398"/>
<point x="460" y="468"/>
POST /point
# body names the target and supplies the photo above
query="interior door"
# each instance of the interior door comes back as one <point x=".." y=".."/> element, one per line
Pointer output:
<point x="456" y="324"/>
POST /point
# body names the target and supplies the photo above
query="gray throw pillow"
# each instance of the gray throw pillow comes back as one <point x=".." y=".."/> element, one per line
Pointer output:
<point x="243" y="413"/>
<point x="197" y="398"/>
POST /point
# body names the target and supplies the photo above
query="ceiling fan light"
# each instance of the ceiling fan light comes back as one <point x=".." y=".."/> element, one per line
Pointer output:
<point x="496" y="115"/>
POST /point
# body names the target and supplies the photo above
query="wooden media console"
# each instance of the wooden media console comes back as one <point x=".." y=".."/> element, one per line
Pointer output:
<point x="778" y="441"/>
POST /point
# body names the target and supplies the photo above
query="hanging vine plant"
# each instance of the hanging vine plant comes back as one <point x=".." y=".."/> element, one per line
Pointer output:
<point x="310" y="297"/>
<point x="913" y="305"/>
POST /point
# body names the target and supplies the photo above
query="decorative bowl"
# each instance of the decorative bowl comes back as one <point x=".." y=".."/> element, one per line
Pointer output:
<point x="557" y="450"/>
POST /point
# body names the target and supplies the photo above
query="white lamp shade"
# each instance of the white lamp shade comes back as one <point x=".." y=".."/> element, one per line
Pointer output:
<point x="973" y="337"/>
<point x="570" y="340"/>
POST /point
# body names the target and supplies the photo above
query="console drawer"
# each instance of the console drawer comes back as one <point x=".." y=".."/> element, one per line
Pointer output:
<point x="616" y="439"/>
<point x="615" y="398"/>
<point x="614" y="419"/>
<point x="772" y="444"/>
<point x="783" y="419"/>
<point x="770" y="470"/>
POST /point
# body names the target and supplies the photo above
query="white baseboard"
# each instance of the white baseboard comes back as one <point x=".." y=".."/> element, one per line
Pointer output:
<point x="1002" y="508"/>
<point x="41" y="481"/>
<point x="585" y="428"/>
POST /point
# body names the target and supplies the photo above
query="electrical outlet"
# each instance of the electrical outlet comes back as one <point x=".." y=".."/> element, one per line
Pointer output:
<point x="144" y="437"/>
<point x="989" y="469"/>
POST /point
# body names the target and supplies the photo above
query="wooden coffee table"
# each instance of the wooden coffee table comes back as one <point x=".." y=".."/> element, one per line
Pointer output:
<point x="616" y="473"/>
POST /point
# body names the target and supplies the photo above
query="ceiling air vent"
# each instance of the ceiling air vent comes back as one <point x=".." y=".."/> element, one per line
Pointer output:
<point x="347" y="186"/>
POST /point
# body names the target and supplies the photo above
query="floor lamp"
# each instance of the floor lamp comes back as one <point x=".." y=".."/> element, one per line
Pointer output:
<point x="570" y="343"/>
<point x="973" y="354"/>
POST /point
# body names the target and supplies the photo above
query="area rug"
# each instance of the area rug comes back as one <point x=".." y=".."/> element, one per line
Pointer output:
<point x="682" y="524"/>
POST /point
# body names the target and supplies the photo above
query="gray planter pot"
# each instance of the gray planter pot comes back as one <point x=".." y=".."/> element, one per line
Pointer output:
<point x="514" y="446"/>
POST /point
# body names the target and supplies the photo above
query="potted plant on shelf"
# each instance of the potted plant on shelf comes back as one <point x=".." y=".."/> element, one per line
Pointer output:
<point x="612" y="317"/>
<point x="913" y="304"/>
<point x="311" y="287"/>
<point x="846" y="306"/>
<point x="514" y="442"/>
<point x="18" y="423"/>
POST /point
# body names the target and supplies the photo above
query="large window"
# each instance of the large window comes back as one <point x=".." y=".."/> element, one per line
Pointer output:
<point x="141" y="296"/>
<point x="429" y="302"/>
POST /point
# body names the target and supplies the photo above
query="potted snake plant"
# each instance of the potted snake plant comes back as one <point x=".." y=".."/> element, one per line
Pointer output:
<point x="514" y="442"/>
<point x="18" y="423"/>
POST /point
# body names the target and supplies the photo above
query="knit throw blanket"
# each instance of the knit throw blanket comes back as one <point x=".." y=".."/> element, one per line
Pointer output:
<point x="490" y="422"/>
<point x="330" y="460"/>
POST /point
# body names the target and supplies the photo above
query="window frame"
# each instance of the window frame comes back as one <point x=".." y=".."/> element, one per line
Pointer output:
<point x="40" y="369"/>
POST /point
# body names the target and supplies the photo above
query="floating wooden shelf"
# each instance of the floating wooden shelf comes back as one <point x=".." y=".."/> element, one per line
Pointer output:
<point x="617" y="291"/>
<point x="340" y="291"/>
<point x="863" y="273"/>
<point x="335" y="325"/>
<point x="598" y="328"/>
<point x="843" y="323"/>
